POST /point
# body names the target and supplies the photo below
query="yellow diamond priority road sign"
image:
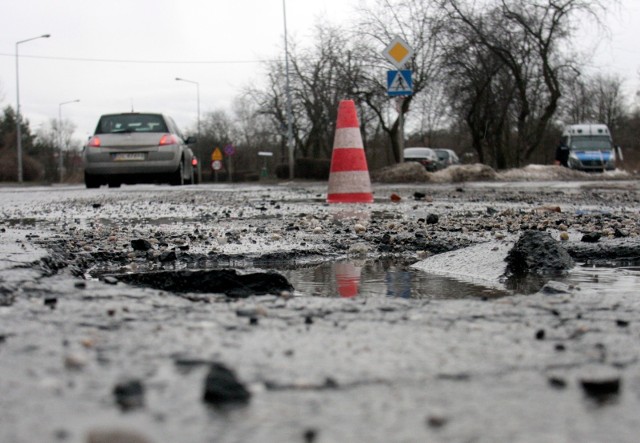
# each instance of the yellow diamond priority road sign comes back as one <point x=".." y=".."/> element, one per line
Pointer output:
<point x="398" y="52"/>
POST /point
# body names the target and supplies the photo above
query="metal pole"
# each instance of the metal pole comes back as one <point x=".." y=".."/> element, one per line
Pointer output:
<point x="18" y="115"/>
<point x="198" y="105"/>
<point x="60" y="156"/>
<point x="288" y="91"/>
<point x="18" y="122"/>
<point x="400" y="102"/>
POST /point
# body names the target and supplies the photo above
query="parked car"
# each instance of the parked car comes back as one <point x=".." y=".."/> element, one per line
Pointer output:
<point x="425" y="156"/>
<point x="446" y="157"/>
<point x="137" y="148"/>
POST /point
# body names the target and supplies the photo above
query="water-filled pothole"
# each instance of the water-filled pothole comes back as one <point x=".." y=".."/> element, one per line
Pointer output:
<point x="346" y="278"/>
<point x="381" y="278"/>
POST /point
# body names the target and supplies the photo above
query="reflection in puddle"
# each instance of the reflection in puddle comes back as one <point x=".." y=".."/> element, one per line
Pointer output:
<point x="592" y="278"/>
<point x="378" y="279"/>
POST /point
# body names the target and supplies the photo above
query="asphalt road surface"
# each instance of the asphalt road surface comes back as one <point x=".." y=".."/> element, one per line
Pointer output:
<point x="86" y="357"/>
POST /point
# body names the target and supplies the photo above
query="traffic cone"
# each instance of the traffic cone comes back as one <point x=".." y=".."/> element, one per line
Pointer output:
<point x="349" y="176"/>
<point x="348" y="279"/>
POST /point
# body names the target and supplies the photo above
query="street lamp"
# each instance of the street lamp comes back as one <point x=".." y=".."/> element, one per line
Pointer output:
<point x="18" y="116"/>
<point x="198" y="97"/>
<point x="288" y="90"/>
<point x="60" y="162"/>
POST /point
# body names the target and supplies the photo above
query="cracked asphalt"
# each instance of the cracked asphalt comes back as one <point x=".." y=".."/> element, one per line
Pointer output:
<point x="557" y="365"/>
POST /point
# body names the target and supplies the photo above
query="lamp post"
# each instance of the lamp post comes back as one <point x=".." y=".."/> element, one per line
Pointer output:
<point x="198" y="97"/>
<point x="288" y="90"/>
<point x="18" y="116"/>
<point x="60" y="161"/>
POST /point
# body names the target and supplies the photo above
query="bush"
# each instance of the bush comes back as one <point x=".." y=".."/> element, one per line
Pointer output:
<point x="307" y="168"/>
<point x="312" y="168"/>
<point x="32" y="169"/>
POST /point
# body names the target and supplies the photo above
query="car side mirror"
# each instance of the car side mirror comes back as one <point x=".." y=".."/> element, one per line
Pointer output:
<point x="191" y="140"/>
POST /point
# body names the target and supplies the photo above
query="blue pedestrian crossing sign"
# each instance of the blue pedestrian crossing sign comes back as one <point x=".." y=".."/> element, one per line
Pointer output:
<point x="399" y="83"/>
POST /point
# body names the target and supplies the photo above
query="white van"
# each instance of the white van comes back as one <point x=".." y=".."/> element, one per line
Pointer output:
<point x="590" y="147"/>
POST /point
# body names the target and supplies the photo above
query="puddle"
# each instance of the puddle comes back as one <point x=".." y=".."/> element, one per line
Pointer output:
<point x="383" y="277"/>
<point x="387" y="278"/>
<point x="613" y="279"/>
<point x="380" y="278"/>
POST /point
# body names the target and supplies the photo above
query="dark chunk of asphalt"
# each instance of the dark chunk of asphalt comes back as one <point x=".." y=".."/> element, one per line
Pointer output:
<point x="110" y="280"/>
<point x="221" y="386"/>
<point x="51" y="302"/>
<point x="620" y="233"/>
<point x="592" y="237"/>
<point x="310" y="435"/>
<point x="555" y="287"/>
<point x="129" y="394"/>
<point x="557" y="382"/>
<point x="217" y="281"/>
<point x="432" y="219"/>
<point x="537" y="253"/>
<point x="140" y="244"/>
<point x="168" y="256"/>
<point x="419" y="195"/>
<point x="436" y="421"/>
<point x="601" y="388"/>
<point x="7" y="296"/>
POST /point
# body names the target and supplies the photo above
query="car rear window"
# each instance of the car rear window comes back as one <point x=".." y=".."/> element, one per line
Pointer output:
<point x="114" y="124"/>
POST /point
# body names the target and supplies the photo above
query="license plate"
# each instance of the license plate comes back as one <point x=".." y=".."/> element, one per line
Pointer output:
<point x="128" y="156"/>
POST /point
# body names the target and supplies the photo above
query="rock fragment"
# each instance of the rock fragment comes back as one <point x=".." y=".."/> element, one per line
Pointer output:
<point x="591" y="237"/>
<point x="129" y="394"/>
<point x="601" y="388"/>
<point x="537" y="253"/>
<point x="115" y="436"/>
<point x="222" y="387"/>
<point x="140" y="244"/>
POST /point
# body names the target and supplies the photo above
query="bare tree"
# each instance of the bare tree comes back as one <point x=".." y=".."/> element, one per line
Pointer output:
<point x="419" y="24"/>
<point x="610" y="105"/>
<point x="598" y="99"/>
<point x="527" y="37"/>
<point x="576" y="105"/>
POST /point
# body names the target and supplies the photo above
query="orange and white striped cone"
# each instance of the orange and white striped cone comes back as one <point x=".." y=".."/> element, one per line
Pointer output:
<point x="349" y="176"/>
<point x="347" y="279"/>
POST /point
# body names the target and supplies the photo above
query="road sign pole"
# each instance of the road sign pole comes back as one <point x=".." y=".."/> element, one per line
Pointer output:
<point x="401" y="128"/>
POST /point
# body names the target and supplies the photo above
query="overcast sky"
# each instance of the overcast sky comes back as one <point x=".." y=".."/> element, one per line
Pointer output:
<point x="106" y="53"/>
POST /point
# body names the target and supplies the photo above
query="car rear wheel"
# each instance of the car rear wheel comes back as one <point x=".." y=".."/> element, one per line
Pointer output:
<point x="92" y="181"/>
<point x="177" y="178"/>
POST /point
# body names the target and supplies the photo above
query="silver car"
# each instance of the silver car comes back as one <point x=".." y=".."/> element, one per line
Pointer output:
<point x="137" y="148"/>
<point x="446" y="157"/>
<point x="425" y="156"/>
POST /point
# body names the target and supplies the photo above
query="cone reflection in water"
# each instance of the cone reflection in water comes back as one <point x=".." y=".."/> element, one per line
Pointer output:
<point x="347" y="278"/>
<point x="349" y="180"/>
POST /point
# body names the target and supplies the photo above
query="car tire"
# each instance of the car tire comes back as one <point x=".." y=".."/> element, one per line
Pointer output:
<point x="91" y="181"/>
<point x="177" y="178"/>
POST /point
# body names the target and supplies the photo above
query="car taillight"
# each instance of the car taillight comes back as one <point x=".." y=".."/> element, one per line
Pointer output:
<point x="168" y="139"/>
<point x="94" y="142"/>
